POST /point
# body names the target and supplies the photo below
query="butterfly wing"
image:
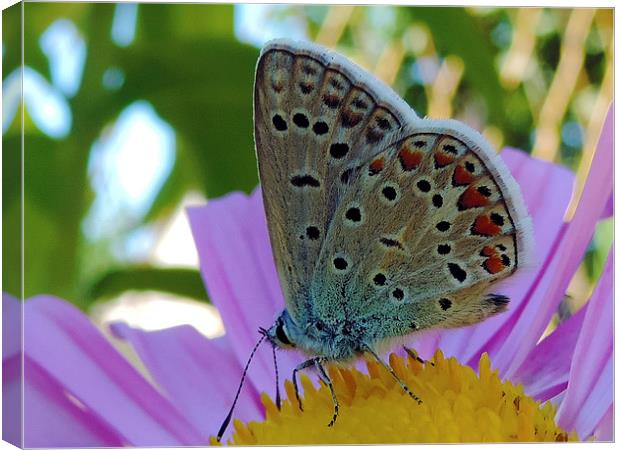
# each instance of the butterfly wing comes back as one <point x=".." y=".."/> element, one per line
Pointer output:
<point x="375" y="214"/>
<point x="428" y="225"/>
<point x="316" y="121"/>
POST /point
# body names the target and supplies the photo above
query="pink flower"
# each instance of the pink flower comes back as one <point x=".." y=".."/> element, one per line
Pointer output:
<point x="79" y="391"/>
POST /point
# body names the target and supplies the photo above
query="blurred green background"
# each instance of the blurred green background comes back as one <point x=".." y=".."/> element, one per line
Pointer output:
<point x="134" y="111"/>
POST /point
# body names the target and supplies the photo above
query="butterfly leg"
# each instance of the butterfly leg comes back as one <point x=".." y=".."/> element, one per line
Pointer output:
<point x="389" y="369"/>
<point x="413" y="354"/>
<point x="302" y="366"/>
<point x="325" y="379"/>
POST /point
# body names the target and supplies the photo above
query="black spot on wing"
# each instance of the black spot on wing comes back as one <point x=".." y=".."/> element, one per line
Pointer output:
<point x="301" y="120"/>
<point x="279" y="123"/>
<point x="388" y="242"/>
<point x="305" y="180"/>
<point x="445" y="303"/>
<point x="457" y="272"/>
<point x="338" y="150"/>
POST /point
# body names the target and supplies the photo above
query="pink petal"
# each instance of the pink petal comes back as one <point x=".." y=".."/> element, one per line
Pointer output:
<point x="65" y="345"/>
<point x="609" y="207"/>
<point x="12" y="382"/>
<point x="238" y="269"/>
<point x="545" y="372"/>
<point x="55" y="418"/>
<point x="199" y="375"/>
<point x="11" y="326"/>
<point x="590" y="386"/>
<point x="521" y="333"/>
<point x="605" y="429"/>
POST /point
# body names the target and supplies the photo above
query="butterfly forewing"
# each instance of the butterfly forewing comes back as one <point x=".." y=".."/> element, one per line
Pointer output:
<point x="316" y="121"/>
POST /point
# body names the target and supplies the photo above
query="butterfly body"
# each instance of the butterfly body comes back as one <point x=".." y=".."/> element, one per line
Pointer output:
<point x="338" y="339"/>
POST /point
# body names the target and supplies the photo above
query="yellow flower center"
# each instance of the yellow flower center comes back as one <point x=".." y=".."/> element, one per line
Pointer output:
<point x="458" y="406"/>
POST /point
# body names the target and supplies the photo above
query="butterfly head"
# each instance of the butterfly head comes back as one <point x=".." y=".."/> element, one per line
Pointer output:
<point x="339" y="340"/>
<point x="282" y="332"/>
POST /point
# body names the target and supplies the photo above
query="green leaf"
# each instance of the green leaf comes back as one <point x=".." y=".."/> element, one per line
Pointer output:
<point x="456" y="32"/>
<point x="160" y="22"/>
<point x="11" y="215"/>
<point x="182" y="282"/>
<point x="596" y="256"/>
<point x="11" y="39"/>
<point x="205" y="93"/>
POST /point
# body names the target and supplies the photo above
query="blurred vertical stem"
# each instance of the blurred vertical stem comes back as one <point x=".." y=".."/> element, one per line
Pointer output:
<point x="334" y="24"/>
<point x="572" y="56"/>
<point x="389" y="62"/>
<point x="519" y="55"/>
<point x="595" y="122"/>
<point x="444" y="87"/>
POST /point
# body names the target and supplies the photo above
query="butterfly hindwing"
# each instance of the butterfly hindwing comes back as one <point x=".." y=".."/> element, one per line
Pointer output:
<point x="431" y="222"/>
<point x="316" y="120"/>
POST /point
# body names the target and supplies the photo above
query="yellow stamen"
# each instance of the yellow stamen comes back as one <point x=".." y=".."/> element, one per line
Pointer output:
<point x="458" y="406"/>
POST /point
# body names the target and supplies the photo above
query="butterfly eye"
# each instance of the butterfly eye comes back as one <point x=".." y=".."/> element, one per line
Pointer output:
<point x="281" y="334"/>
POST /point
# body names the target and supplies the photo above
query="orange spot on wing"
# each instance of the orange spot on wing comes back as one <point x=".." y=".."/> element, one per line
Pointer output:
<point x="485" y="227"/>
<point x="494" y="264"/>
<point x="377" y="166"/>
<point x="442" y="159"/>
<point x="489" y="251"/>
<point x="409" y="159"/>
<point x="462" y="176"/>
<point x="471" y="198"/>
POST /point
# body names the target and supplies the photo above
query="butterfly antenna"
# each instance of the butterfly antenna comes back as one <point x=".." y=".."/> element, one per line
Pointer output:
<point x="245" y="371"/>
<point x="275" y="363"/>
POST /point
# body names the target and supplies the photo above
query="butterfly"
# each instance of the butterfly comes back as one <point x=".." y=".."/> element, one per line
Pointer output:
<point x="382" y="224"/>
